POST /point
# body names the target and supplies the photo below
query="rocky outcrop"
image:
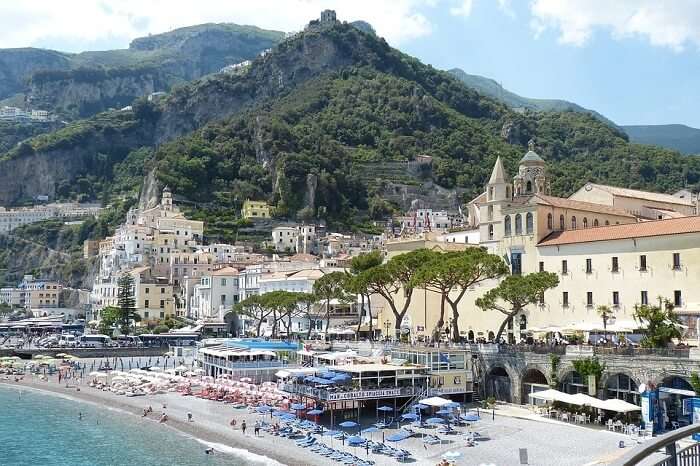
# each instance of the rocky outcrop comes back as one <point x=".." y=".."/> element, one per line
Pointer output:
<point x="17" y="65"/>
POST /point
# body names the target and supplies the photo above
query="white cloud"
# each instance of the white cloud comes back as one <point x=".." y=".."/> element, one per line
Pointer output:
<point x="506" y="7"/>
<point x="463" y="8"/>
<point x="674" y="24"/>
<point x="29" y="22"/>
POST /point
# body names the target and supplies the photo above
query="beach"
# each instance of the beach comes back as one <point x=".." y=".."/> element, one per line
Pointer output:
<point x="547" y="442"/>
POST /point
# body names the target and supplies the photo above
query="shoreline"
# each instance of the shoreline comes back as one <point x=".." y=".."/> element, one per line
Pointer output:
<point x="230" y="443"/>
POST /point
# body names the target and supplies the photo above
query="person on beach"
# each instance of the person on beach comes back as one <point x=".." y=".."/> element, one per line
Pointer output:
<point x="256" y="428"/>
<point x="163" y="418"/>
<point x="189" y="417"/>
<point x="233" y="422"/>
<point x="243" y="426"/>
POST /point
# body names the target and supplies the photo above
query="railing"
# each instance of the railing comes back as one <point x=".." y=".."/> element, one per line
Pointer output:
<point x="360" y="394"/>
<point x="687" y="457"/>
<point x="245" y="365"/>
<point x="631" y="351"/>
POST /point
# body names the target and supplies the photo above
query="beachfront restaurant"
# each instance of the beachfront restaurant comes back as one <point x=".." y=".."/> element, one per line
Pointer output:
<point x="255" y="358"/>
<point x="449" y="369"/>
<point x="347" y="391"/>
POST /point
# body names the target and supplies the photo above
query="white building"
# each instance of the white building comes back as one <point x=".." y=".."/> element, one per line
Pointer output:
<point x="215" y="294"/>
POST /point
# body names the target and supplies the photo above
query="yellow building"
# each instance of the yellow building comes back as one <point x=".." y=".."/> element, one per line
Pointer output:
<point x="253" y="210"/>
<point x="612" y="252"/>
<point x="153" y="295"/>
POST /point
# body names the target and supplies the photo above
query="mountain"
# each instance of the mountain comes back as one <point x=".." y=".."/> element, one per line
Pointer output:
<point x="83" y="84"/>
<point x="329" y="124"/>
<point x="493" y="89"/>
<point x="682" y="138"/>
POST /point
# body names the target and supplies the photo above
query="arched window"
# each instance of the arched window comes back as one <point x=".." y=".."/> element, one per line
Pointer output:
<point x="529" y="223"/>
<point x="490" y="231"/>
<point x="506" y="226"/>
<point x="507" y="192"/>
<point x="562" y="226"/>
<point x="523" y="322"/>
<point x="518" y="225"/>
<point x="550" y="221"/>
<point x="595" y="222"/>
<point x="490" y="212"/>
<point x="585" y="222"/>
<point x="528" y="186"/>
<point x="607" y="223"/>
<point x="490" y="193"/>
<point x="573" y="222"/>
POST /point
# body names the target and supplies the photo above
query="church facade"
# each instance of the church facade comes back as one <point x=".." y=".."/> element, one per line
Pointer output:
<point x="609" y="246"/>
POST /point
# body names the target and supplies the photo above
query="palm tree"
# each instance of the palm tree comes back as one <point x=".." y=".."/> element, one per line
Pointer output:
<point x="604" y="312"/>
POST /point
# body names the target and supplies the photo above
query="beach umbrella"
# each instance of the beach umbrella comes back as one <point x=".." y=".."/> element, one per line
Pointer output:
<point x="443" y="411"/>
<point x="451" y="404"/>
<point x="434" y="420"/>
<point x="369" y="430"/>
<point x="264" y="409"/>
<point x="297" y="406"/>
<point x="315" y="412"/>
<point x="331" y="433"/>
<point x="385" y="408"/>
<point x="409" y="417"/>
<point x="470" y="417"/>
<point x="421" y="406"/>
<point x="356" y="440"/>
<point x="452" y="455"/>
<point x="348" y="424"/>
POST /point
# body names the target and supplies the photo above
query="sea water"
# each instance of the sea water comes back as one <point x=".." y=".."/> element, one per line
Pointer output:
<point x="38" y="429"/>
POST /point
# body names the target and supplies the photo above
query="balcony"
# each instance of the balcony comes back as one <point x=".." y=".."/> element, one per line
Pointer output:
<point x="243" y="365"/>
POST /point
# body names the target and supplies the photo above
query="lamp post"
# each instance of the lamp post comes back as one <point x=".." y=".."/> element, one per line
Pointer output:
<point x="387" y="325"/>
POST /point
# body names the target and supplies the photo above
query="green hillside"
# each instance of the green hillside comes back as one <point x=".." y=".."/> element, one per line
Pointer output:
<point x="291" y="128"/>
<point x="682" y="138"/>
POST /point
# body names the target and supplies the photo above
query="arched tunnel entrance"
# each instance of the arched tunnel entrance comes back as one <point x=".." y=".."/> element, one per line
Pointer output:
<point x="533" y="381"/>
<point x="499" y="385"/>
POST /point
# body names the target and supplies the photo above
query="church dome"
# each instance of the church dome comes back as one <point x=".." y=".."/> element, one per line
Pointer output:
<point x="531" y="155"/>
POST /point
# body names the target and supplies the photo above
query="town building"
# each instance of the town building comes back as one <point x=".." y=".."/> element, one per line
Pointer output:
<point x="33" y="293"/>
<point x="255" y="210"/>
<point x="606" y="245"/>
<point x="215" y="294"/>
<point x="13" y="218"/>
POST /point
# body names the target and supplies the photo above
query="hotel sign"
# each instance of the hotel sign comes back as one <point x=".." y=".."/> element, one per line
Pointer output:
<point x="391" y="392"/>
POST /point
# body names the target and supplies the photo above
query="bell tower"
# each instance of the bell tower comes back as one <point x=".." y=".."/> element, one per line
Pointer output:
<point x="532" y="174"/>
<point x="498" y="191"/>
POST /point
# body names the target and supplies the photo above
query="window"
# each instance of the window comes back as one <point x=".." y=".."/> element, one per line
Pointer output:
<point x="518" y="224"/>
<point x="595" y="222"/>
<point x="162" y="303"/>
<point x="645" y="297"/>
<point x="490" y="193"/>
<point x="223" y="282"/>
<point x="607" y="223"/>
<point x="516" y="263"/>
<point x="162" y="315"/>
<point x="146" y="303"/>
<point x="550" y="221"/>
<point x="564" y="267"/>
<point x="148" y="290"/>
<point x="162" y="291"/>
<point x="490" y="212"/>
<point x="529" y="223"/>
<point x="457" y="380"/>
<point x="561" y="222"/>
<point x="616" y="298"/>
<point x="145" y="314"/>
<point x="615" y="265"/>
<point x="506" y="225"/>
<point x="541" y="266"/>
<point x="573" y="222"/>
<point x="676" y="261"/>
<point x="589" y="298"/>
<point x="642" y="263"/>
<point x="677" y="298"/>
<point x="523" y="322"/>
<point x="565" y="299"/>
<point x="589" y="265"/>
<point x="223" y="299"/>
<point x="585" y="222"/>
<point x="490" y="231"/>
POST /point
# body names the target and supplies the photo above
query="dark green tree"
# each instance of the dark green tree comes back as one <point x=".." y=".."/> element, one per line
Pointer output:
<point x="660" y="324"/>
<point x="515" y="293"/>
<point x="357" y="283"/>
<point x="109" y="316"/>
<point x="330" y="287"/>
<point x="126" y="303"/>
<point x="451" y="275"/>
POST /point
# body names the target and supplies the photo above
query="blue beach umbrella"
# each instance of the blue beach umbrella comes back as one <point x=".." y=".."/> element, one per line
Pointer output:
<point x="356" y="440"/>
<point x="297" y="406"/>
<point x="434" y="420"/>
<point x="470" y="417"/>
<point x="385" y="408"/>
<point x="444" y="411"/>
<point x="315" y="412"/>
<point x="369" y="430"/>
<point x="348" y="424"/>
<point x="331" y="433"/>
<point x="421" y="406"/>
<point x="451" y="404"/>
<point x="264" y="409"/>
<point x="409" y="417"/>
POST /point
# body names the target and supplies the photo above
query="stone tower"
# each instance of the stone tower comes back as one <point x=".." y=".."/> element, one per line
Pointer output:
<point x="532" y="175"/>
<point x="166" y="200"/>
<point x="498" y="192"/>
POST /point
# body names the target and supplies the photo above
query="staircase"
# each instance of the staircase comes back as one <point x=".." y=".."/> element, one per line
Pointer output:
<point x="408" y="405"/>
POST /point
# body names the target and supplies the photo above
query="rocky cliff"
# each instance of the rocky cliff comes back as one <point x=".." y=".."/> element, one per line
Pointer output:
<point x="17" y="65"/>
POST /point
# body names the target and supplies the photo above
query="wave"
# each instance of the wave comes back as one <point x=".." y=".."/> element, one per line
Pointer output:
<point x="249" y="457"/>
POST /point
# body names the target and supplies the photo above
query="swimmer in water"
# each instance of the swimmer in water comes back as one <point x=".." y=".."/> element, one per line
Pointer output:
<point x="209" y="451"/>
<point x="80" y="416"/>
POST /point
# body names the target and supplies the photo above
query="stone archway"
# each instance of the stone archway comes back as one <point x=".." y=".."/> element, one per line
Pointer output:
<point x="571" y="382"/>
<point x="533" y="380"/>
<point x="621" y="385"/>
<point x="676" y="381"/>
<point x="499" y="384"/>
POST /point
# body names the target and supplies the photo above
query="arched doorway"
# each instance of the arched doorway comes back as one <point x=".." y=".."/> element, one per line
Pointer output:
<point x="622" y="387"/>
<point x="573" y="383"/>
<point x="492" y="336"/>
<point x="498" y="384"/>
<point x="533" y="381"/>
<point x="470" y="335"/>
<point x="672" y="391"/>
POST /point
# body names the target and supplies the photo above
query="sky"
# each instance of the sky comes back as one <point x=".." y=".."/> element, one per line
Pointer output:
<point x="634" y="61"/>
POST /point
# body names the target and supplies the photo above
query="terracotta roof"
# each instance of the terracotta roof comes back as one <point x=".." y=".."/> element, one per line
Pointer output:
<point x="580" y="205"/>
<point x="674" y="226"/>
<point x="226" y="271"/>
<point x="303" y="258"/>
<point x="636" y="194"/>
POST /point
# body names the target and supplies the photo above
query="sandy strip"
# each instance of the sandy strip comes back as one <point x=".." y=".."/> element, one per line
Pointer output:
<point x="210" y="425"/>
